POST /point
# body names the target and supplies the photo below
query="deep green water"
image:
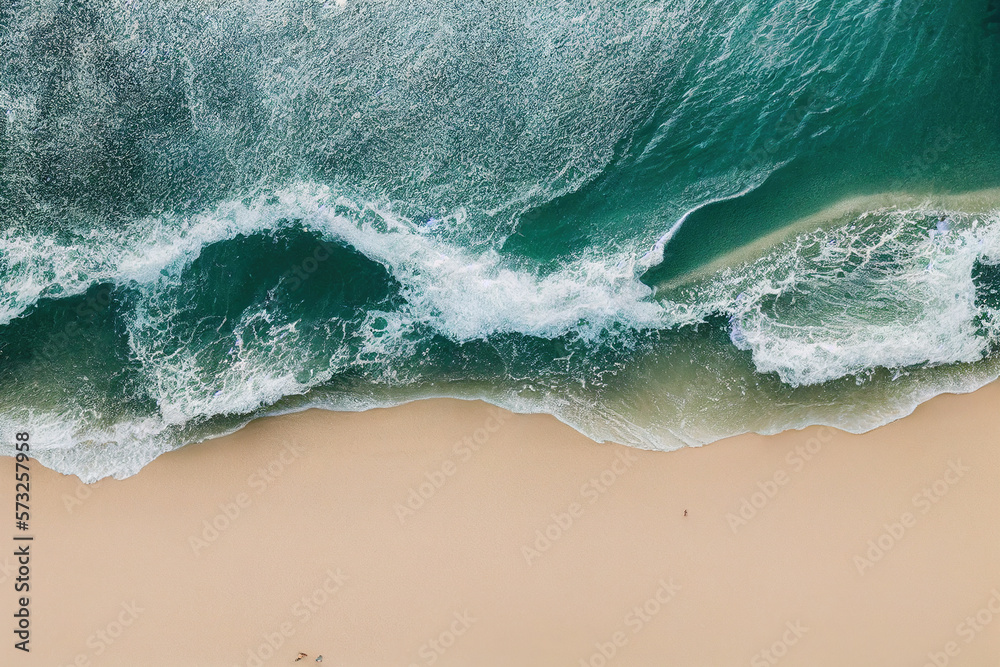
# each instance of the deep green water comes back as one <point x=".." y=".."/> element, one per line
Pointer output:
<point x="663" y="222"/>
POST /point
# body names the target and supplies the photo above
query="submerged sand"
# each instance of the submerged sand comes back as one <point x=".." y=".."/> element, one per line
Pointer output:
<point x="446" y="532"/>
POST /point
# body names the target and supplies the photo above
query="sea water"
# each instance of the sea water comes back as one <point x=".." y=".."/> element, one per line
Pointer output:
<point x="662" y="222"/>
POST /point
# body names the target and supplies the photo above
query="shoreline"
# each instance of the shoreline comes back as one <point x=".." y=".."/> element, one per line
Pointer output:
<point x="892" y="413"/>
<point x="446" y="532"/>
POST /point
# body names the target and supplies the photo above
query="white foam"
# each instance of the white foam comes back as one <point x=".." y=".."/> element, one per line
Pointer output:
<point x="881" y="292"/>
<point x="66" y="443"/>
<point x="449" y="290"/>
<point x="813" y="333"/>
<point x="469" y="295"/>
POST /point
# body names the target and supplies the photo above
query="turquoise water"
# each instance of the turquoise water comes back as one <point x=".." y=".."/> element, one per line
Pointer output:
<point x="663" y="222"/>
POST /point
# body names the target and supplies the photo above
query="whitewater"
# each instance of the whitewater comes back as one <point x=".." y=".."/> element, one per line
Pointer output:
<point x="663" y="222"/>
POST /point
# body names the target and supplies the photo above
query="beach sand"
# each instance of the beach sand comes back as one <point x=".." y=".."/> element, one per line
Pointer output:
<point x="445" y="532"/>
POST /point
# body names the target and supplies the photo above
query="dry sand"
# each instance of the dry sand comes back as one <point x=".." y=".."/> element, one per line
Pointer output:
<point x="317" y="555"/>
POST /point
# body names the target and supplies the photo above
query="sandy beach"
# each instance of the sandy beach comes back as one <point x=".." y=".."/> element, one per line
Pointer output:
<point x="445" y="532"/>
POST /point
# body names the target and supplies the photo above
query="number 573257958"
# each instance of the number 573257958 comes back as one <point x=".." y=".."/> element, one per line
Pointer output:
<point x="22" y="476"/>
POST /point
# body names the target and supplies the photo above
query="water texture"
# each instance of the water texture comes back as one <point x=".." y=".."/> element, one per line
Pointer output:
<point x="662" y="222"/>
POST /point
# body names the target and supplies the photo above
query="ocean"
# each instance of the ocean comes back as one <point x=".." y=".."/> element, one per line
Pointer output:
<point x="662" y="222"/>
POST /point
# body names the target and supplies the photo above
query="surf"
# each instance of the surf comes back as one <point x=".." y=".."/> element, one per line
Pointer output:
<point x="662" y="223"/>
